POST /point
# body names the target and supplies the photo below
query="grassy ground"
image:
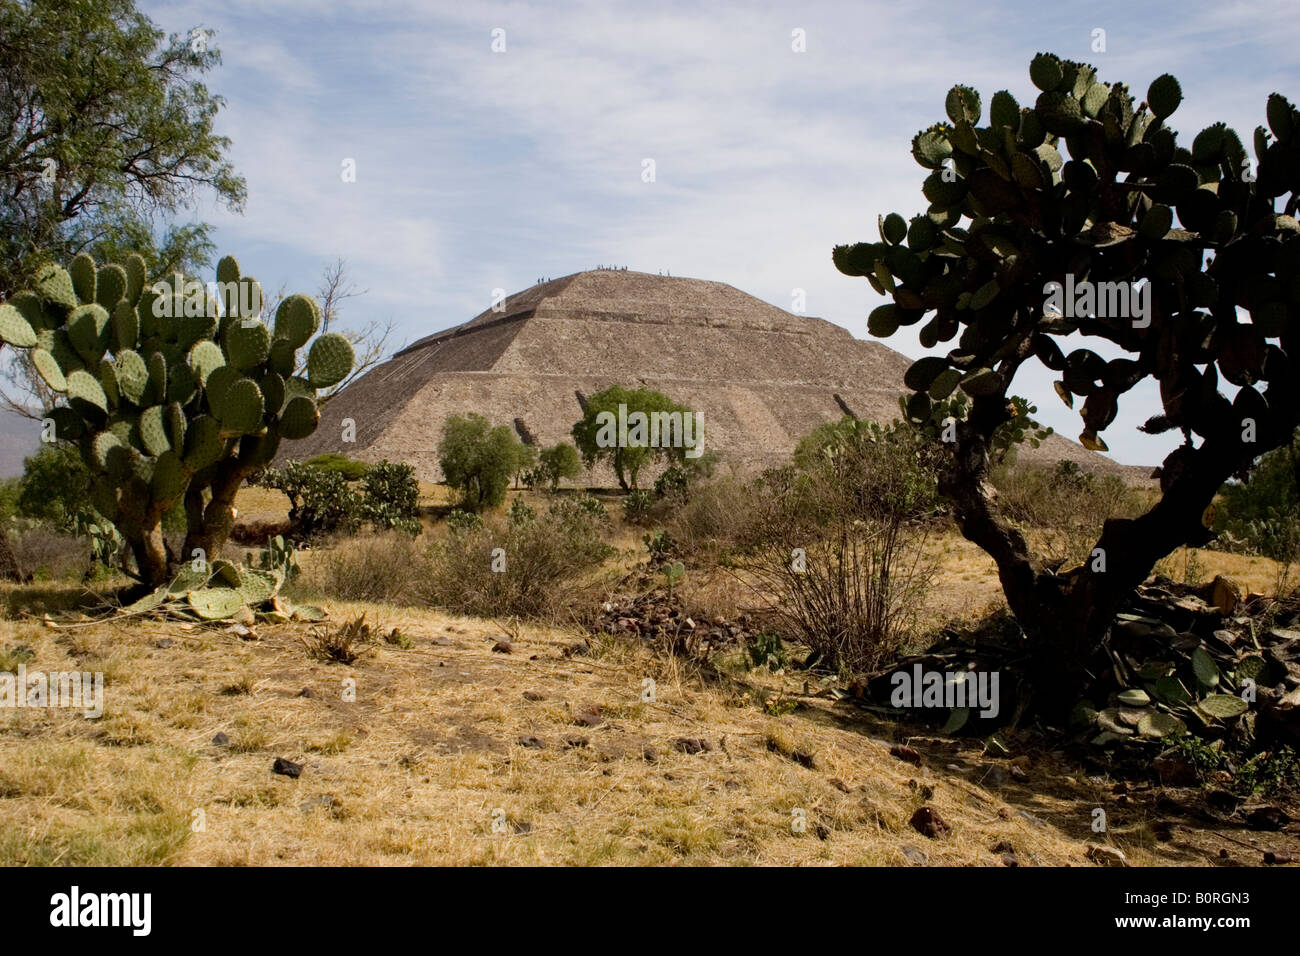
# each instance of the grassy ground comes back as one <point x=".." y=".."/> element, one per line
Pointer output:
<point x="448" y="753"/>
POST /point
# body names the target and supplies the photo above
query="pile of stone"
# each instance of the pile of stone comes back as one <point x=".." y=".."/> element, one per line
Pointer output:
<point x="664" y="624"/>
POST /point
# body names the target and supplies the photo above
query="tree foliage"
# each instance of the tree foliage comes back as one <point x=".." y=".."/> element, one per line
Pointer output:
<point x="601" y="437"/>
<point x="477" y="459"/>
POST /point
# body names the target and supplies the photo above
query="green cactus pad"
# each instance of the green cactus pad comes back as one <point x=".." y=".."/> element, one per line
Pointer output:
<point x="219" y="379"/>
<point x="205" y="358"/>
<point x="1223" y="706"/>
<point x="157" y="364"/>
<point x="257" y="586"/>
<point x="195" y="328"/>
<point x="126" y="326"/>
<point x="284" y="357"/>
<point x="169" y="477"/>
<point x="103" y="498"/>
<point x="153" y="431"/>
<point x="181" y="382"/>
<point x="299" y="418"/>
<point x="258" y="450"/>
<point x="103" y="447"/>
<point x="296" y="321"/>
<point x="203" y="444"/>
<point x="1163" y="95"/>
<point x="125" y="425"/>
<point x="110" y="286"/>
<point x="227" y="270"/>
<point x="240" y="408"/>
<point x="55" y="285"/>
<point x="82" y="269"/>
<point x="56" y="342"/>
<point x="1059" y="112"/>
<point x="215" y="604"/>
<point x="29" y="307"/>
<point x="176" y="425"/>
<point x="108" y="379"/>
<point x="981" y="381"/>
<point x="272" y="386"/>
<point x="86" y="395"/>
<point x="49" y="370"/>
<point x="248" y="343"/>
<point x="88" y="332"/>
<point x="330" y="360"/>
<point x="135" y="277"/>
<point x="67" y="424"/>
<point x="1045" y="71"/>
<point x="15" y="330"/>
<point x="132" y="376"/>
<point x="245" y="301"/>
<point x="1004" y="110"/>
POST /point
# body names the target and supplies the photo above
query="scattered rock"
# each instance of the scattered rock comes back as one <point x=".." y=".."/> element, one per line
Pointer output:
<point x="1104" y="855"/>
<point x="649" y="754"/>
<point x="915" y="855"/>
<point x="1009" y="859"/>
<point x="581" y="649"/>
<point x="1175" y="771"/>
<point x="308" y="693"/>
<point x="533" y="696"/>
<point x="838" y="784"/>
<point x="286" y="768"/>
<point x="163" y="643"/>
<point x="532" y="743"/>
<point x="927" y="822"/>
<point x="1036" y="821"/>
<point x="692" y="745"/>
<point x="573" y="740"/>
<point x="1019" y="775"/>
<point x="502" y="647"/>
<point x="905" y="754"/>
<point x="220" y="740"/>
<point x="442" y="641"/>
<point x="1273" y="858"/>
<point x="589" y="718"/>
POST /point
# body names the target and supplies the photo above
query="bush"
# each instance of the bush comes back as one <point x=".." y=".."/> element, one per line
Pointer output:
<point x="320" y="502"/>
<point x="478" y="459"/>
<point x="50" y="555"/>
<point x="517" y="567"/>
<point x="637" y="506"/>
<point x="392" y="497"/>
<point x="1063" y="508"/>
<point x="843" y="540"/>
<point x="55" y="487"/>
<point x="387" y="568"/>
<point x="559" y="462"/>
<point x="1263" y="513"/>
<point x="349" y="468"/>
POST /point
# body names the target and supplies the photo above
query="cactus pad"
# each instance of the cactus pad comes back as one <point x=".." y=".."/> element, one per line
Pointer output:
<point x="248" y="343"/>
<point x="299" y="418"/>
<point x="132" y="376"/>
<point x="82" y="270"/>
<point x="86" y="395"/>
<point x="153" y="431"/>
<point x="240" y="407"/>
<point x="15" y="330"/>
<point x="55" y="285"/>
<point x="169" y="477"/>
<point x="205" y="358"/>
<point x="330" y="360"/>
<point x="49" y="370"/>
<point x="203" y="444"/>
<point x="296" y="320"/>
<point x="88" y="331"/>
<point x="110" y="286"/>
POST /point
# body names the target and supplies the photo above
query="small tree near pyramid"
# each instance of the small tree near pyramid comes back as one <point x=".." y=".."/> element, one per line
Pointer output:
<point x="172" y="395"/>
<point x="1083" y="214"/>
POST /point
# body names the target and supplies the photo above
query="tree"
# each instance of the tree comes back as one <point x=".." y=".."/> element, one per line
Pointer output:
<point x="104" y="123"/>
<point x="559" y="462"/>
<point x="55" y="486"/>
<point x="1021" y="247"/>
<point x="1264" y="512"/>
<point x="173" y="396"/>
<point x="477" y="459"/>
<point x="631" y="427"/>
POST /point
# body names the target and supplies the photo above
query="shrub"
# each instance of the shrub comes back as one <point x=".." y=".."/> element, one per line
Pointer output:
<point x="478" y="459"/>
<point x="843" y="543"/>
<point x="320" y="502"/>
<point x="515" y="567"/>
<point x="392" y="497"/>
<point x="55" y="487"/>
<point x="596" y="435"/>
<point x="349" y="468"/>
<point x="388" y="568"/>
<point x="637" y="506"/>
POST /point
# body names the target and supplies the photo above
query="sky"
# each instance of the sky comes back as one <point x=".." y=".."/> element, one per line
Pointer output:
<point x="479" y="168"/>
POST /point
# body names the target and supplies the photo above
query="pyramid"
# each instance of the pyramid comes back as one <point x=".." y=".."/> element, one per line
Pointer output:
<point x="760" y="377"/>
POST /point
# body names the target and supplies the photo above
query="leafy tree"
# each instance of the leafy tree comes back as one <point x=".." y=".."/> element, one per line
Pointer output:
<point x="559" y="462"/>
<point x="477" y="459"/>
<point x="55" y="486"/>
<point x="526" y="467"/>
<point x="598" y="436"/>
<point x="104" y="123"/>
<point x="1009" y="216"/>
<point x="392" y="497"/>
<point x="1265" y="510"/>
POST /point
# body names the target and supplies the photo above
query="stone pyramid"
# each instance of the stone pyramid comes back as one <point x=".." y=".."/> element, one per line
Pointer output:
<point x="761" y="377"/>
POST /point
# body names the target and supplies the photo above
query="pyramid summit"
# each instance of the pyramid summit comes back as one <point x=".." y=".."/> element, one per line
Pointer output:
<point x="760" y="377"/>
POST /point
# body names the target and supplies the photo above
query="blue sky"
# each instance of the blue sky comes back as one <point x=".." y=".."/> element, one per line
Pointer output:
<point x="478" y="170"/>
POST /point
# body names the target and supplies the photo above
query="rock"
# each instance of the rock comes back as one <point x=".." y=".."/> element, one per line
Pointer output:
<point x="502" y="647"/>
<point x="581" y="649"/>
<point x="533" y="696"/>
<point x="838" y="784"/>
<point x="575" y="741"/>
<point x="1019" y="775"/>
<point x="1267" y="818"/>
<point x="163" y="643"/>
<point x="692" y="745"/>
<point x="927" y="822"/>
<point x="915" y="855"/>
<point x="1009" y="859"/>
<point x="589" y="718"/>
<point x="220" y="740"/>
<point x="1273" y="858"/>
<point x="1104" y="855"/>
<point x="442" y="641"/>
<point x="1175" y="771"/>
<point x="1036" y="821"/>
<point x="308" y="693"/>
<point x="905" y="754"/>
<point x="1225" y="594"/>
<point x="649" y="754"/>
<point x="286" y="768"/>
<point x="532" y="743"/>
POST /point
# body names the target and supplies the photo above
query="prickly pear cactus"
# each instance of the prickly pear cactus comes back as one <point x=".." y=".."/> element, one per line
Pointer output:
<point x="174" y="391"/>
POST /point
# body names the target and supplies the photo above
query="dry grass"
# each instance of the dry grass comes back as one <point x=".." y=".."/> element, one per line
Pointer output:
<point x="438" y="742"/>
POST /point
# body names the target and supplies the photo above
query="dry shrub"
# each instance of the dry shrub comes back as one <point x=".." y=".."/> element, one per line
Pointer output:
<point x="713" y="518"/>
<point x="525" y="565"/>
<point x="49" y="555"/>
<point x="843" y="550"/>
<point x="1063" y="508"/>
<point x="381" y="568"/>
